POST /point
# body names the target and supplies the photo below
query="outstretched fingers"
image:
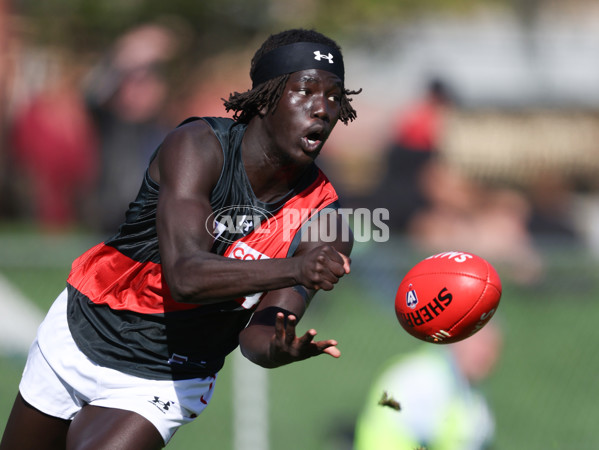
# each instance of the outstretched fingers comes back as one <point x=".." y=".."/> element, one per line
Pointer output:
<point x="287" y="346"/>
<point x="329" y="346"/>
<point x="290" y="329"/>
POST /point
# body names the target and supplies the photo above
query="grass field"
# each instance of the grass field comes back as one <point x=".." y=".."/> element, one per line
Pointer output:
<point x="543" y="394"/>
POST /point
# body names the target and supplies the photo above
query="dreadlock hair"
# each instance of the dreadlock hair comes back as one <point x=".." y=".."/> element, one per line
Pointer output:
<point x="246" y="105"/>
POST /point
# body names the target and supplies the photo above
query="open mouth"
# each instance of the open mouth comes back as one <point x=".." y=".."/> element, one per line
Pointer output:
<point x="313" y="141"/>
<point x="313" y="138"/>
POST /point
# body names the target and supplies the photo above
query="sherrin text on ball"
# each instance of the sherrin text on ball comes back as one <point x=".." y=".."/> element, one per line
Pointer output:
<point x="448" y="297"/>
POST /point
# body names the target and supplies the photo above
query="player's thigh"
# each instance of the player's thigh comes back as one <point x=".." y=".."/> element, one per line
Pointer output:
<point x="29" y="429"/>
<point x="96" y="427"/>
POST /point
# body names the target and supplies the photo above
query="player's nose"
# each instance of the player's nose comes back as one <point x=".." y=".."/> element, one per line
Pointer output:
<point x="320" y="108"/>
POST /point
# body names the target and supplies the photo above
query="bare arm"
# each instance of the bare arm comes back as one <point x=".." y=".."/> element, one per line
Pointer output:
<point x="270" y="338"/>
<point x="187" y="168"/>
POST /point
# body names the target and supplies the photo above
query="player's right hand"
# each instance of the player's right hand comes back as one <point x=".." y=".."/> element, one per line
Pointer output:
<point x="322" y="267"/>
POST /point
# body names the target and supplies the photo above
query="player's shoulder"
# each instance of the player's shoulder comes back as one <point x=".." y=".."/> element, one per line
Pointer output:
<point x="204" y="130"/>
<point x="193" y="127"/>
<point x="190" y="136"/>
<point x="192" y="144"/>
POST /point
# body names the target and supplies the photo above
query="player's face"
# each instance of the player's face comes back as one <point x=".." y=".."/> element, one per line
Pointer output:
<point x="306" y="114"/>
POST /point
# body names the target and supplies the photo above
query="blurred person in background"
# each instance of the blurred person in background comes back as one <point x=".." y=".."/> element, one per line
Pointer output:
<point x="6" y="75"/>
<point x="415" y="140"/>
<point x="48" y="149"/>
<point x="464" y="213"/>
<point x="432" y="398"/>
<point x="131" y="349"/>
<point x="54" y="154"/>
<point x="94" y="134"/>
<point x="126" y="94"/>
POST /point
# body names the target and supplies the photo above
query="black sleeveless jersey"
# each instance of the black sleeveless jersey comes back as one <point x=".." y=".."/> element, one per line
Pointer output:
<point x="120" y="310"/>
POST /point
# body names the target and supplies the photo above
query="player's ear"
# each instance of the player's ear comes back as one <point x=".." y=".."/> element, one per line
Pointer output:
<point x="263" y="110"/>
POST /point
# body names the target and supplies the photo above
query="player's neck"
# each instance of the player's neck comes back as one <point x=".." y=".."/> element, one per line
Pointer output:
<point x="272" y="172"/>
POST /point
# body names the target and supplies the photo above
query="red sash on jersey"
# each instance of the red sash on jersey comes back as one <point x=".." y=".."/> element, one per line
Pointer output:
<point x="106" y="276"/>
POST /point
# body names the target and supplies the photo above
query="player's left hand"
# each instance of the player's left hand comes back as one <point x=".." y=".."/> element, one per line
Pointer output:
<point x="286" y="347"/>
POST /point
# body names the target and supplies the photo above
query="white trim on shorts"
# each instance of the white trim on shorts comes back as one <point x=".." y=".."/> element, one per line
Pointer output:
<point x="59" y="380"/>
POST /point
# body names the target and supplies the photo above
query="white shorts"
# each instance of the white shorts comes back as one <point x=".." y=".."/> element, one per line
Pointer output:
<point x="59" y="380"/>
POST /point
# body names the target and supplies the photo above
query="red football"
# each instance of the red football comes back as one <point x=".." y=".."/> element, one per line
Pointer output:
<point x="447" y="297"/>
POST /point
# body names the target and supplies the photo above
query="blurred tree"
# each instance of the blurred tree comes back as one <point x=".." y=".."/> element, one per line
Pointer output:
<point x="92" y="24"/>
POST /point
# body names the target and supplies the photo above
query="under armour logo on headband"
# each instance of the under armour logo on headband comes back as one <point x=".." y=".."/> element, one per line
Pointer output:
<point x="319" y="56"/>
<point x="295" y="57"/>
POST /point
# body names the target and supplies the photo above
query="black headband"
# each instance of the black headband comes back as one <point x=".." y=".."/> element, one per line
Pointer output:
<point x="295" y="57"/>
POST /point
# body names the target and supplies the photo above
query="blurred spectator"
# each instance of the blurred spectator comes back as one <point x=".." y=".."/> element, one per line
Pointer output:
<point x="434" y="391"/>
<point x="552" y="217"/>
<point x="54" y="150"/>
<point x="418" y="127"/>
<point x="126" y="95"/>
<point x="415" y="139"/>
<point x="79" y="154"/>
<point x="6" y="74"/>
<point x="463" y="214"/>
